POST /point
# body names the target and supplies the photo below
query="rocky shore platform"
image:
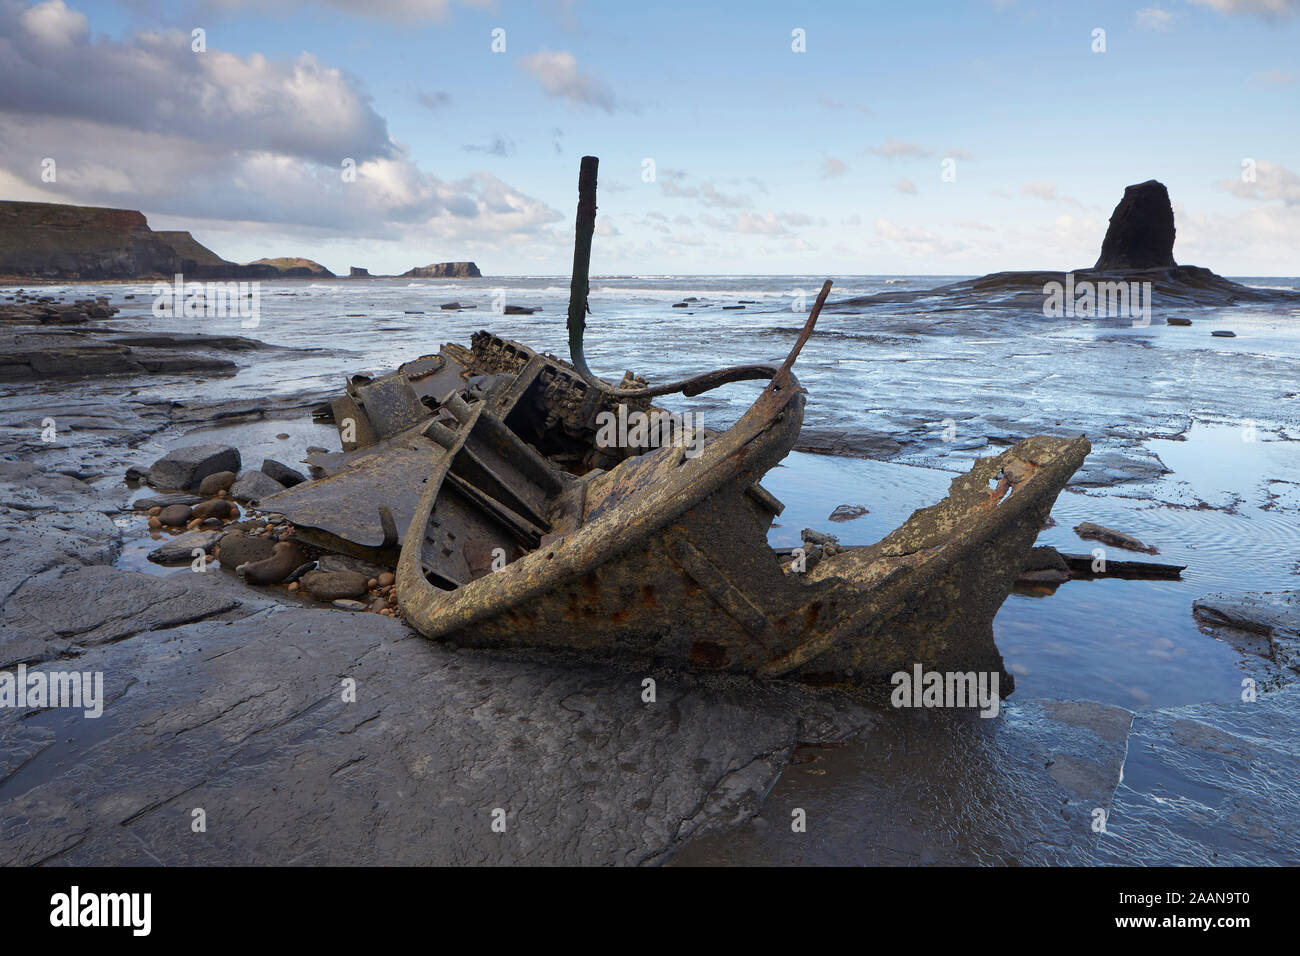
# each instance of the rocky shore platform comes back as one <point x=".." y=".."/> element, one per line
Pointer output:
<point x="308" y="735"/>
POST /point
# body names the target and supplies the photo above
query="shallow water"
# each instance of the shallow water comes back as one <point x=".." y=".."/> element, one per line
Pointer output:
<point x="1229" y="510"/>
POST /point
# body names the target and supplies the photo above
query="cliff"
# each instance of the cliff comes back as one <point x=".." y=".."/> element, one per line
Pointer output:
<point x="57" y="241"/>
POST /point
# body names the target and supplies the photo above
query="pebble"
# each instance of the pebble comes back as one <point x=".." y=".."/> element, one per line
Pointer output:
<point x="348" y="605"/>
<point x="387" y="579"/>
<point x="176" y="515"/>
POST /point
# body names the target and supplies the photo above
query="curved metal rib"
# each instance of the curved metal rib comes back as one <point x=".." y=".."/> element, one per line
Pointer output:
<point x="578" y="290"/>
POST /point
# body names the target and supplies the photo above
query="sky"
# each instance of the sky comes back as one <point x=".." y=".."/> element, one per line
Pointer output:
<point x="743" y="138"/>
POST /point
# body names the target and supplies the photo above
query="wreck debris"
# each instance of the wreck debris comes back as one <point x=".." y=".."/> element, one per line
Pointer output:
<point x="1116" y="539"/>
<point x="481" y="475"/>
<point x="514" y="526"/>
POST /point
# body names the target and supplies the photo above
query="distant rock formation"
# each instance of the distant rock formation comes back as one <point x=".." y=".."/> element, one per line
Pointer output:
<point x="444" y="270"/>
<point x="1141" y="231"/>
<point x="356" y="272"/>
<point x="1138" y="251"/>
<point x="42" y="240"/>
<point x="292" y="267"/>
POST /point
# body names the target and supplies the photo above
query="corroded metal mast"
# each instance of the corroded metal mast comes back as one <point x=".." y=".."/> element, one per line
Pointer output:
<point x="579" y="288"/>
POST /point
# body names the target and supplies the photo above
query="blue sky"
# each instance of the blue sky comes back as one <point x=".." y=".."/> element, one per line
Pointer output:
<point x="766" y="160"/>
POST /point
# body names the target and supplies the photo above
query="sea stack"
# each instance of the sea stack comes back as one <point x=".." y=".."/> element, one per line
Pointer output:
<point x="1141" y="231"/>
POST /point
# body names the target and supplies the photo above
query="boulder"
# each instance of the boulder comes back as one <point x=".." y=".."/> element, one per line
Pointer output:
<point x="1044" y="565"/>
<point x="214" y="508"/>
<point x="253" y="486"/>
<point x="846" y="513"/>
<point x="282" y="473"/>
<point x="184" y="468"/>
<point x="334" y="585"/>
<point x="284" y="560"/>
<point x="238" y="548"/>
<point x="1141" y="231"/>
<point x="219" y="481"/>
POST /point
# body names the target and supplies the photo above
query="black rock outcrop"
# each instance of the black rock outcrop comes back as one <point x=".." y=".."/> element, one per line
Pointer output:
<point x="1141" y="231"/>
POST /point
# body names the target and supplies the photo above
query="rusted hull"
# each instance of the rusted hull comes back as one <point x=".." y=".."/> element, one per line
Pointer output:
<point x="667" y="557"/>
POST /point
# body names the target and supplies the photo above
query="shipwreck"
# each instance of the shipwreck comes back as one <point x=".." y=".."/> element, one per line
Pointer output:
<point x="481" y="475"/>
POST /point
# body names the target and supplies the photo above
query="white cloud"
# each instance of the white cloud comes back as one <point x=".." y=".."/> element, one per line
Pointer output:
<point x="916" y="241"/>
<point x="1275" y="77"/>
<point x="53" y="24"/>
<point x="832" y="104"/>
<point x="905" y="185"/>
<point x="894" y="148"/>
<point x="1265" y="8"/>
<point x="145" y="123"/>
<point x="1047" y="191"/>
<point x="1271" y="182"/>
<point x="708" y="195"/>
<point x="832" y="167"/>
<point x="400" y="11"/>
<point x="557" y="72"/>
<point x="1153" y="18"/>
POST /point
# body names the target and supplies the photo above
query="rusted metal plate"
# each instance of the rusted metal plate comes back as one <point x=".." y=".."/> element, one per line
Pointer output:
<point x="346" y="505"/>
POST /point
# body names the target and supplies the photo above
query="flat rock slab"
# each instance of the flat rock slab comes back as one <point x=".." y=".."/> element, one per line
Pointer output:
<point x="180" y="549"/>
<point x="79" y="607"/>
<point x="247" y="720"/>
<point x="1210" y="785"/>
<point x="1272" y="615"/>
